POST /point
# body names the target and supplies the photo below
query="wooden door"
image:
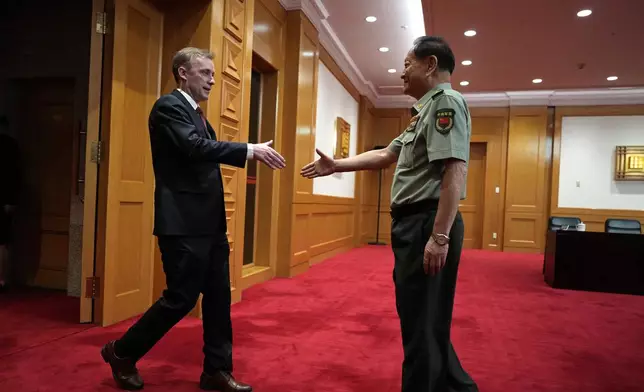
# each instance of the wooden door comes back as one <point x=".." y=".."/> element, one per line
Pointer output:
<point x="46" y="138"/>
<point x="125" y="244"/>
<point x="473" y="207"/>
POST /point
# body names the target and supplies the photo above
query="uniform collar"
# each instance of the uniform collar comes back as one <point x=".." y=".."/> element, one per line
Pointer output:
<point x="421" y="103"/>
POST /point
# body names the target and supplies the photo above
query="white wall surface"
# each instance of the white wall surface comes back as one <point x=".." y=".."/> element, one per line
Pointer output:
<point x="334" y="101"/>
<point x="587" y="162"/>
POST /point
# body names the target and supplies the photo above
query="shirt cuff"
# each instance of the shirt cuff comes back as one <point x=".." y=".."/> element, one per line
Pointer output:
<point x="249" y="151"/>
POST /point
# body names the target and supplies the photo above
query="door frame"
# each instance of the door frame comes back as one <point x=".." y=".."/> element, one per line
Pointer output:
<point x="90" y="287"/>
<point x="492" y="199"/>
<point x="264" y="266"/>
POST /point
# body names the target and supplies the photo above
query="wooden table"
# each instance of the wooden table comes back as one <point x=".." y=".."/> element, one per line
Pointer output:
<point x="590" y="261"/>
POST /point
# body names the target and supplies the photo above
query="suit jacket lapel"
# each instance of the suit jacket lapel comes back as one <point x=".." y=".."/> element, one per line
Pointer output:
<point x="196" y="119"/>
<point x="211" y="131"/>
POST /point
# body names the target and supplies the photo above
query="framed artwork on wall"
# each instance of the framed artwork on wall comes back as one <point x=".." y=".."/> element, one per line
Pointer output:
<point x="629" y="163"/>
<point x="343" y="137"/>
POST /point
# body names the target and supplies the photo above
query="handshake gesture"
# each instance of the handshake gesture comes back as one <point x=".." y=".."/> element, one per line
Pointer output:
<point x="320" y="168"/>
<point x="264" y="153"/>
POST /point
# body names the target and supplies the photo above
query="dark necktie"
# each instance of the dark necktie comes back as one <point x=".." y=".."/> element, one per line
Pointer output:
<point x="203" y="119"/>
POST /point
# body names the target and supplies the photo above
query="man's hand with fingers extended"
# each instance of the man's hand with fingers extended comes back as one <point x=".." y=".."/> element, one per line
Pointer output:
<point x="320" y="168"/>
<point x="264" y="153"/>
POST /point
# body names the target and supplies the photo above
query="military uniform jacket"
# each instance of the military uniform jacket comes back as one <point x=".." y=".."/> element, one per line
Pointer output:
<point x="442" y="130"/>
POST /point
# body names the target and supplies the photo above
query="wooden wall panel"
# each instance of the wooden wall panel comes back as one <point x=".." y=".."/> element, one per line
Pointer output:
<point x="312" y="227"/>
<point x="269" y="32"/>
<point x="227" y="110"/>
<point x="529" y="152"/>
<point x="305" y="135"/>
<point x="298" y="142"/>
<point x="365" y="136"/>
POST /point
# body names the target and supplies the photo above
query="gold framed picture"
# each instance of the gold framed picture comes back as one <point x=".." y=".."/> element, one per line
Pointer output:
<point x="343" y="138"/>
<point x="629" y="163"/>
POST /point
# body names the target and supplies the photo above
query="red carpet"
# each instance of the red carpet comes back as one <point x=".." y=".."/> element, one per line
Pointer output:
<point x="334" y="329"/>
<point x="29" y="318"/>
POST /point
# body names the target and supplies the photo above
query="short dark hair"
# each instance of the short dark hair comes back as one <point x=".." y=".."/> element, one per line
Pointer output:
<point x="184" y="56"/>
<point x="426" y="46"/>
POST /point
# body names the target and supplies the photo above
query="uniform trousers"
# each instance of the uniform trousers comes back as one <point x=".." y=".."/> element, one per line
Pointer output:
<point x="424" y="303"/>
<point x="193" y="266"/>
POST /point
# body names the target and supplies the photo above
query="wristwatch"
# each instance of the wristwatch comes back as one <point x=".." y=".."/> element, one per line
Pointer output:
<point x="440" y="239"/>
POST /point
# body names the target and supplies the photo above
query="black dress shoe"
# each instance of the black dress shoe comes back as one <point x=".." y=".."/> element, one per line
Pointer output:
<point x="123" y="369"/>
<point x="223" y="382"/>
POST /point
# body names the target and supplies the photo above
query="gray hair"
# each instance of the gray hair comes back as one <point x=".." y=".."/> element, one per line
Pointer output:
<point x="184" y="57"/>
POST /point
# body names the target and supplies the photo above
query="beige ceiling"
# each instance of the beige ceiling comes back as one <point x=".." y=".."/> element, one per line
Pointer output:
<point x="516" y="42"/>
<point x="362" y="39"/>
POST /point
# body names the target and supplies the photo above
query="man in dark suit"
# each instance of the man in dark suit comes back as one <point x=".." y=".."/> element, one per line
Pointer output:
<point x="190" y="223"/>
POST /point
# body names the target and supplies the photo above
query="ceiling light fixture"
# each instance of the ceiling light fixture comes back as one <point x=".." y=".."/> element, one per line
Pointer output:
<point x="464" y="83"/>
<point x="537" y="81"/>
<point x="391" y="70"/>
<point x="470" y="33"/>
<point x="466" y="62"/>
<point x="384" y="49"/>
<point x="584" y="13"/>
<point x="371" y="19"/>
<point x="611" y="78"/>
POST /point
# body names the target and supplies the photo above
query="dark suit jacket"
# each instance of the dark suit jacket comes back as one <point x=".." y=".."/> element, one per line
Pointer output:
<point x="189" y="193"/>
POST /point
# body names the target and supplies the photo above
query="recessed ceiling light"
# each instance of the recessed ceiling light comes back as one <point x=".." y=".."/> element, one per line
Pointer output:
<point x="466" y="62"/>
<point x="584" y="13"/>
<point x="308" y="54"/>
<point x="611" y="78"/>
<point x="470" y="33"/>
<point x="536" y="81"/>
<point x="384" y="49"/>
<point x="464" y="83"/>
<point x="391" y="70"/>
<point x="371" y="19"/>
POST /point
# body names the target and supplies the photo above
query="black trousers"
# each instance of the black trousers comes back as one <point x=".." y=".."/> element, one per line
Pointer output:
<point x="192" y="265"/>
<point x="424" y="303"/>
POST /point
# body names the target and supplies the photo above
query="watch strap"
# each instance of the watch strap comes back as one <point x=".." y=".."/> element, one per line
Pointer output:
<point x="440" y="239"/>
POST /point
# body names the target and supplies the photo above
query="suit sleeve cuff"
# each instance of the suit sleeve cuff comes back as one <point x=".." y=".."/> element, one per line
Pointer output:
<point x="249" y="151"/>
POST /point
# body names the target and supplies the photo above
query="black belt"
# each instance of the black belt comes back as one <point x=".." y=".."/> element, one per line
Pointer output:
<point x="418" y="207"/>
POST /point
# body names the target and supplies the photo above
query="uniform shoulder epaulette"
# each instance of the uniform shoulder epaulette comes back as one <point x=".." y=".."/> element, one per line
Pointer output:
<point x="438" y="93"/>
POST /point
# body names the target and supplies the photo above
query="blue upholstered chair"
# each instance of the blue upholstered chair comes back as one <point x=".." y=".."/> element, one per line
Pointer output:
<point x="625" y="226"/>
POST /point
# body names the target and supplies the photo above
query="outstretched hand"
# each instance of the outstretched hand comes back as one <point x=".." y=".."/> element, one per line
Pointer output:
<point x="320" y="168"/>
<point x="264" y="153"/>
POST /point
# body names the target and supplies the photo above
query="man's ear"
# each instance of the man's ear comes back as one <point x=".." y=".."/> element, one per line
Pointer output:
<point x="432" y="64"/>
<point x="182" y="73"/>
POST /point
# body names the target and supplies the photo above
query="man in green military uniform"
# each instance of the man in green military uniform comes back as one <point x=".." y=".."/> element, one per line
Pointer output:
<point x="432" y="155"/>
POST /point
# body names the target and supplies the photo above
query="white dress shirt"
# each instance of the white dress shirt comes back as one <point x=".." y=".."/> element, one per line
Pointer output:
<point x="191" y="101"/>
